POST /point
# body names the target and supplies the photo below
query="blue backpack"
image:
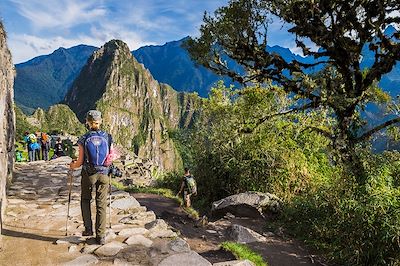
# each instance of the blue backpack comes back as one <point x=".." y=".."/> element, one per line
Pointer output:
<point x="97" y="147"/>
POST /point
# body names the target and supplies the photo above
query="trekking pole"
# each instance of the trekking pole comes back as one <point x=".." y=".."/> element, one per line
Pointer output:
<point x="109" y="206"/>
<point x="69" y="199"/>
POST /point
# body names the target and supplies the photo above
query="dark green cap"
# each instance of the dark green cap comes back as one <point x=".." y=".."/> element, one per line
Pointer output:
<point x="93" y="115"/>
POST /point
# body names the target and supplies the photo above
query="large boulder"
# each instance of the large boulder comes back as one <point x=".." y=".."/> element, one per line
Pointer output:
<point x="247" y="204"/>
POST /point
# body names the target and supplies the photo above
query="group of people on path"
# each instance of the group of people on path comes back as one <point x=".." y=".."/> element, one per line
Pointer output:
<point x="96" y="154"/>
<point x="38" y="145"/>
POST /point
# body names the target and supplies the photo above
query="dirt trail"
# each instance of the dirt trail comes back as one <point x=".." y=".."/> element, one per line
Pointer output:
<point x="277" y="251"/>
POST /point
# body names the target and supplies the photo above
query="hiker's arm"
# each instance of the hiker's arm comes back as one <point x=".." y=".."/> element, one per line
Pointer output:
<point x="79" y="161"/>
<point x="180" y="190"/>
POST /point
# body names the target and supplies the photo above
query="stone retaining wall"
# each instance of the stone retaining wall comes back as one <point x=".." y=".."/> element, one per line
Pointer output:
<point x="7" y="119"/>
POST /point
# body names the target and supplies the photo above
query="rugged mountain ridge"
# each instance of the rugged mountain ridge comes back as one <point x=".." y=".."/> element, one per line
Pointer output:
<point x="43" y="81"/>
<point x="171" y="64"/>
<point x="7" y="120"/>
<point x="137" y="110"/>
<point x="168" y="63"/>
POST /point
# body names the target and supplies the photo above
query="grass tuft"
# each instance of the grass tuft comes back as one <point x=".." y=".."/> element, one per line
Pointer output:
<point x="243" y="252"/>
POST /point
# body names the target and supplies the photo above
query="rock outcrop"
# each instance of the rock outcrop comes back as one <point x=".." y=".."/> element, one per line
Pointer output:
<point x="59" y="118"/>
<point x="7" y="119"/>
<point x="247" y="204"/>
<point x="138" y="111"/>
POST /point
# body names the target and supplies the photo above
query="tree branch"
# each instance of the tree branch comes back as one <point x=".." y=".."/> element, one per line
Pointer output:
<point x="320" y="131"/>
<point x="265" y="118"/>
<point x="377" y="128"/>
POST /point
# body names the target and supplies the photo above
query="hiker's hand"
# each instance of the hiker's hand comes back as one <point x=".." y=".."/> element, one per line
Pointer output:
<point x="72" y="164"/>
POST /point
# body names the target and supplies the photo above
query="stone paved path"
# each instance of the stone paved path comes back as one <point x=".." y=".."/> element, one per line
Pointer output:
<point x="35" y="226"/>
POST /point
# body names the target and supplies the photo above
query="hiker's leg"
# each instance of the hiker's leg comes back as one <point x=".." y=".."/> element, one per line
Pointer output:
<point x="86" y="196"/>
<point x="189" y="204"/>
<point x="31" y="155"/>
<point x="101" y="205"/>
<point x="186" y="198"/>
<point x="46" y="154"/>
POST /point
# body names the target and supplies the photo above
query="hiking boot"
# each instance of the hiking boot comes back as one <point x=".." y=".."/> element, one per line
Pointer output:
<point x="87" y="232"/>
<point x="101" y="240"/>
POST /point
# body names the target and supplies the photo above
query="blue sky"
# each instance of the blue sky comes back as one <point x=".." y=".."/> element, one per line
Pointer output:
<point x="37" y="27"/>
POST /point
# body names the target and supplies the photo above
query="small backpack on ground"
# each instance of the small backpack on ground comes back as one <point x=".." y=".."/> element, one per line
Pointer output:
<point x="191" y="184"/>
<point x="18" y="156"/>
<point x="97" y="148"/>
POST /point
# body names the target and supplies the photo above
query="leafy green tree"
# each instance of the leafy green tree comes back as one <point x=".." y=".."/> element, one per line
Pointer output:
<point x="277" y="156"/>
<point x="341" y="29"/>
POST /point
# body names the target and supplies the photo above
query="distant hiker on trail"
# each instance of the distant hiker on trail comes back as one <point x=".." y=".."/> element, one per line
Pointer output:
<point x="188" y="186"/>
<point x="94" y="148"/>
<point x="26" y="140"/>
<point x="33" y="147"/>
<point x="58" y="149"/>
<point x="45" y="142"/>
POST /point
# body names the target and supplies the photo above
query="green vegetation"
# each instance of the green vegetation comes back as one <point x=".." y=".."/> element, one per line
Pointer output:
<point x="22" y="125"/>
<point x="243" y="252"/>
<point x="230" y="152"/>
<point x="305" y="138"/>
<point x="336" y="81"/>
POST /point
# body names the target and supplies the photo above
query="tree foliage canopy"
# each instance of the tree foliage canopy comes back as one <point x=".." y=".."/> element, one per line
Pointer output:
<point x="340" y="29"/>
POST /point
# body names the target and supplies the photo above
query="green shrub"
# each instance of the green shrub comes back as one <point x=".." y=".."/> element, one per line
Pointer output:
<point x="355" y="225"/>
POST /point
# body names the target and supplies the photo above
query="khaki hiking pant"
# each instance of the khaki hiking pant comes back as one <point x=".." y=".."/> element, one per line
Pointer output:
<point x="100" y="182"/>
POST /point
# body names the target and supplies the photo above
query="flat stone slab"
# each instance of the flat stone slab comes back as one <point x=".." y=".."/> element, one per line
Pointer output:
<point x="133" y="231"/>
<point x="125" y="203"/>
<point x="185" y="259"/>
<point x="235" y="263"/>
<point x="83" y="260"/>
<point x="70" y="240"/>
<point x="162" y="233"/>
<point x="158" y="224"/>
<point x="140" y="218"/>
<point x="89" y="249"/>
<point x="109" y="249"/>
<point x="16" y="201"/>
<point x="139" y="240"/>
<point x="179" y="245"/>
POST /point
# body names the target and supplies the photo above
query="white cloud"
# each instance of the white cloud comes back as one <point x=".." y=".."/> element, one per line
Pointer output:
<point x="49" y="24"/>
<point x="45" y="14"/>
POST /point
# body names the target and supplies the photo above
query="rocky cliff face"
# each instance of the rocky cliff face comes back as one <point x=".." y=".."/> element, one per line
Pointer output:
<point x="137" y="110"/>
<point x="7" y="123"/>
<point x="59" y="118"/>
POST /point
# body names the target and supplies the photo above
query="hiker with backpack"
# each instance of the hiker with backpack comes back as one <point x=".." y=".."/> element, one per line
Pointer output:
<point x="45" y="143"/>
<point x="58" y="149"/>
<point x="188" y="186"/>
<point x="94" y="150"/>
<point x="33" y="147"/>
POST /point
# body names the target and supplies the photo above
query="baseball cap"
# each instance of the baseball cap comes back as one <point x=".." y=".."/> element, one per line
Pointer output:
<point x="93" y="115"/>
